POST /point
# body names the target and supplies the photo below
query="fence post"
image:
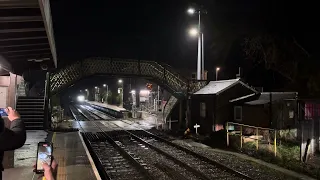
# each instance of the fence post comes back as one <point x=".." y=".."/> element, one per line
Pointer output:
<point x="227" y="126"/>
<point x="241" y="136"/>
<point x="275" y="143"/>
<point x="257" y="140"/>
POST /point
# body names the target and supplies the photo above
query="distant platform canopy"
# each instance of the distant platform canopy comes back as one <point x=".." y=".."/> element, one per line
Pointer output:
<point x="265" y="97"/>
<point x="217" y="87"/>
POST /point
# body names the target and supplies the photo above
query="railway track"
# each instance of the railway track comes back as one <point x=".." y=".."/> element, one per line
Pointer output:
<point x="166" y="159"/>
<point x="113" y="160"/>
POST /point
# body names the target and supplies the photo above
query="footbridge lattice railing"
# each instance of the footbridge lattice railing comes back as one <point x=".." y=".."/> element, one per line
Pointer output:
<point x="175" y="83"/>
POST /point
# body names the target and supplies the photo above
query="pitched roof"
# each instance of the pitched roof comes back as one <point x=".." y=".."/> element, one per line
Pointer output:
<point x="217" y="87"/>
<point x="264" y="97"/>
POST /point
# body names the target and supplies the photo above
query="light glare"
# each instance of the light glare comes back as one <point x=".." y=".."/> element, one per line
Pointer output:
<point x="133" y="91"/>
<point x="120" y="81"/>
<point x="191" y="10"/>
<point x="193" y="32"/>
<point x="104" y="85"/>
<point x="80" y="98"/>
<point x="144" y="92"/>
<point x="217" y="69"/>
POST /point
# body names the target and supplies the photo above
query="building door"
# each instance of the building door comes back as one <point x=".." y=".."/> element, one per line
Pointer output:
<point x="3" y="96"/>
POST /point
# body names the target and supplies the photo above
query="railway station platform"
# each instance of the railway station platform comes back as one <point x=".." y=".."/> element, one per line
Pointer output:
<point x="108" y="106"/>
<point x="74" y="160"/>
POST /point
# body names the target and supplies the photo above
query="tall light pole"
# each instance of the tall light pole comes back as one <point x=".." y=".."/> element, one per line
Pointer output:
<point x="217" y="72"/>
<point x="121" y="85"/>
<point x="200" y="62"/>
<point x="105" y="85"/>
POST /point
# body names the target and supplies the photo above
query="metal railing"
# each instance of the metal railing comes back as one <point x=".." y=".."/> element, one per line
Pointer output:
<point x="258" y="135"/>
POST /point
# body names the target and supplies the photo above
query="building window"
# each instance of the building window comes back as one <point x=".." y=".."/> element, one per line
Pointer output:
<point x="238" y="113"/>
<point x="203" y="110"/>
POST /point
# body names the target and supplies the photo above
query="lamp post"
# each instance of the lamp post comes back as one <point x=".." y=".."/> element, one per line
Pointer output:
<point x="121" y="91"/>
<point x="217" y="72"/>
<point x="105" y="85"/>
<point x="198" y="31"/>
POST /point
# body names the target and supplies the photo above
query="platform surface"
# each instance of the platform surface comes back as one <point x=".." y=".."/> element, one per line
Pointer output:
<point x="72" y="158"/>
<point x="109" y="106"/>
<point x="69" y="152"/>
<point x="25" y="157"/>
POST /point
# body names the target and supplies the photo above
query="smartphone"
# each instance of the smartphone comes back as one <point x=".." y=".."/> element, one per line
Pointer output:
<point x="44" y="155"/>
<point x="3" y="112"/>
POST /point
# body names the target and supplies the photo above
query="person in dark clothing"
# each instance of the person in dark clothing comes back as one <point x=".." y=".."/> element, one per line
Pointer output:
<point x="13" y="137"/>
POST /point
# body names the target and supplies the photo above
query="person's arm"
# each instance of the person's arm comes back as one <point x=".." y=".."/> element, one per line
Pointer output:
<point x="13" y="138"/>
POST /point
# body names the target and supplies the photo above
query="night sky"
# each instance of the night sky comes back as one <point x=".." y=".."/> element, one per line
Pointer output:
<point x="157" y="30"/>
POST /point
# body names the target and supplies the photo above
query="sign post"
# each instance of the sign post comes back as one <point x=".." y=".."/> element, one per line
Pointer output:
<point x="196" y="127"/>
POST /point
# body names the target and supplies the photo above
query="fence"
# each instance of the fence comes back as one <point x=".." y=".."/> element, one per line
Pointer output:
<point x="261" y="137"/>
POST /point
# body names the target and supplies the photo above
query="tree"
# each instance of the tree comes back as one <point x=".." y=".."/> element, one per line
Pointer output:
<point x="286" y="56"/>
<point x="278" y="53"/>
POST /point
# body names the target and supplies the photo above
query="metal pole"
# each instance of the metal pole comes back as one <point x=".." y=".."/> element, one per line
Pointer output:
<point x="158" y="98"/>
<point x="217" y="75"/>
<point x="107" y="94"/>
<point x="121" y="105"/>
<point x="199" y="50"/>
<point x="202" y="51"/>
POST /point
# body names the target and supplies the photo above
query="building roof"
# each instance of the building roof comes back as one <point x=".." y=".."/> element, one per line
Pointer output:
<point x="264" y="97"/>
<point x="217" y="87"/>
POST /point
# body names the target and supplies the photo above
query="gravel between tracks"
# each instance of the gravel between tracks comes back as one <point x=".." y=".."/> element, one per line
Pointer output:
<point x="155" y="159"/>
<point x="245" y="166"/>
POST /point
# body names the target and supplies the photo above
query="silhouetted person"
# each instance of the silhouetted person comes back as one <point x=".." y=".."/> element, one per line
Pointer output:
<point x="13" y="137"/>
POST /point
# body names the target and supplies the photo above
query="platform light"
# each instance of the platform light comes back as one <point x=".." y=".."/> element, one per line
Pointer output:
<point x="86" y="89"/>
<point x="80" y="98"/>
<point x="96" y="87"/>
<point x="104" y="85"/>
<point x="120" y="81"/>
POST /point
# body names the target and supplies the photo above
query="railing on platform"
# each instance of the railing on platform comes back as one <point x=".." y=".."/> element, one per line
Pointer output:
<point x="258" y="135"/>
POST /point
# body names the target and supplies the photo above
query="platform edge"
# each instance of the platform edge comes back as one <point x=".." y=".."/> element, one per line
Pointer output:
<point x="94" y="168"/>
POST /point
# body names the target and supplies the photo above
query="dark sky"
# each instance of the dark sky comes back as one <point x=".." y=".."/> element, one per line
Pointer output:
<point x="157" y="30"/>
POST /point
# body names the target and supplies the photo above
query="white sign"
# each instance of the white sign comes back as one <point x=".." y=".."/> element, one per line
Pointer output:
<point x="196" y="127"/>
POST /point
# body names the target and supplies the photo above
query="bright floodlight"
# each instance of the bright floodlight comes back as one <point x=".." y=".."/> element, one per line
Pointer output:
<point x="217" y="69"/>
<point x="193" y="32"/>
<point x="133" y="91"/>
<point x="120" y="81"/>
<point x="104" y="85"/>
<point x="80" y="98"/>
<point x="191" y="10"/>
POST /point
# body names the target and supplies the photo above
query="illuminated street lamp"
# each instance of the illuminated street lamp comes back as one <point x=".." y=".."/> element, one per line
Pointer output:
<point x="217" y="71"/>
<point x="104" y="85"/>
<point x="121" y="83"/>
<point x="191" y="11"/>
<point x="96" y="87"/>
<point x="194" y="32"/>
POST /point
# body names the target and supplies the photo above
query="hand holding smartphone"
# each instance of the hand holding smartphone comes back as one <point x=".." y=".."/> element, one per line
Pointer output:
<point x="44" y="155"/>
